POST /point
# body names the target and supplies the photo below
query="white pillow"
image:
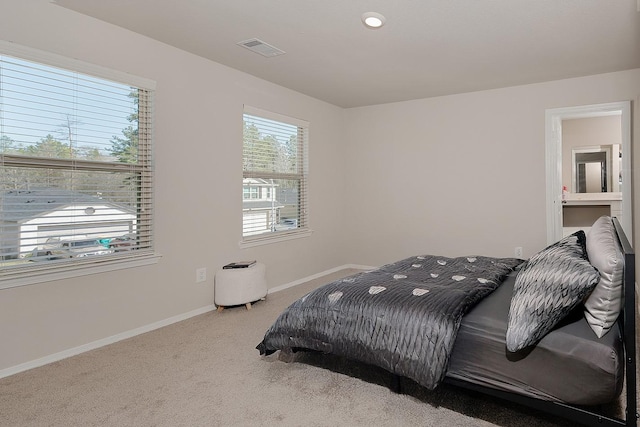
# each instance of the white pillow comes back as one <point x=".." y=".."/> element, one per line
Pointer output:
<point x="603" y="306"/>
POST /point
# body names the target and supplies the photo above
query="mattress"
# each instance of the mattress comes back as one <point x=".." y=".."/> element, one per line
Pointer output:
<point x="570" y="364"/>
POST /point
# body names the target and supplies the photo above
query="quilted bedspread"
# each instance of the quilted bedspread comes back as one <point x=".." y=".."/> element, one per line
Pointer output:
<point x="403" y="317"/>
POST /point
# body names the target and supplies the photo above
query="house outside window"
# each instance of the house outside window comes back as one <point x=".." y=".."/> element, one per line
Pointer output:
<point x="76" y="170"/>
<point x="250" y="192"/>
<point x="275" y="175"/>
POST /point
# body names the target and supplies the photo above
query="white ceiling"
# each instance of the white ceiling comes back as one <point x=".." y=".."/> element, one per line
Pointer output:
<point x="427" y="47"/>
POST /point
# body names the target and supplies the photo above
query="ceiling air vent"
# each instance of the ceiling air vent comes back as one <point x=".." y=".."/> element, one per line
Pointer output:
<point x="264" y="49"/>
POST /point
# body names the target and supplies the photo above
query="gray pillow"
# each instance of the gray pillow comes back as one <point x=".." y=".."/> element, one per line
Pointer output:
<point x="547" y="288"/>
<point x="603" y="305"/>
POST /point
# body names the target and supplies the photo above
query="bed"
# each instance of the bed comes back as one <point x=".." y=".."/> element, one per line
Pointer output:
<point x="555" y="332"/>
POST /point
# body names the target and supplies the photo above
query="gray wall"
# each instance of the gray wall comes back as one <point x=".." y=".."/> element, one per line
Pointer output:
<point x="461" y="174"/>
<point x="198" y="150"/>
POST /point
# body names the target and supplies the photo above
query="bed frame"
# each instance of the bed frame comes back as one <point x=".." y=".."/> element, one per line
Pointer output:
<point x="593" y="416"/>
<point x="583" y="414"/>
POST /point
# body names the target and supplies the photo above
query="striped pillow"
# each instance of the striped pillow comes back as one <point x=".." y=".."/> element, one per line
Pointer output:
<point x="547" y="288"/>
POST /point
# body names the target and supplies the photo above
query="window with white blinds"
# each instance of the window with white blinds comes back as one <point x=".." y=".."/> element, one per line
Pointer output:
<point x="274" y="172"/>
<point x="76" y="170"/>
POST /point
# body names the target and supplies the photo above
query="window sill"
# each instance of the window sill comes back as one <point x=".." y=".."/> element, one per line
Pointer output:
<point x="274" y="238"/>
<point x="32" y="278"/>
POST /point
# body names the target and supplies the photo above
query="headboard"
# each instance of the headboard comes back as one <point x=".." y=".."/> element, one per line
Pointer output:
<point x="628" y="324"/>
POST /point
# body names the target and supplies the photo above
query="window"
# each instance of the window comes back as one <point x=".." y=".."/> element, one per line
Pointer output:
<point x="274" y="185"/>
<point x="76" y="172"/>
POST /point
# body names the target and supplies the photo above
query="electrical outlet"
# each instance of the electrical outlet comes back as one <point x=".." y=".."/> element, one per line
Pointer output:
<point x="518" y="252"/>
<point x="201" y="275"/>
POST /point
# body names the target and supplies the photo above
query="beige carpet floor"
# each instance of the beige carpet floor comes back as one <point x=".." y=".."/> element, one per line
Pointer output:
<point x="205" y="371"/>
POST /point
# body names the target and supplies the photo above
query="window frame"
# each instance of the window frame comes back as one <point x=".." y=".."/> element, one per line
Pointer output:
<point x="302" y="175"/>
<point x="45" y="272"/>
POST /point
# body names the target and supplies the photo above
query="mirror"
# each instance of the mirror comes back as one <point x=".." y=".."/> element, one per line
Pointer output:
<point x="591" y="174"/>
<point x="596" y="169"/>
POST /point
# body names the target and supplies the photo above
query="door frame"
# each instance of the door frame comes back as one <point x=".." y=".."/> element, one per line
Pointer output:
<point x="553" y="160"/>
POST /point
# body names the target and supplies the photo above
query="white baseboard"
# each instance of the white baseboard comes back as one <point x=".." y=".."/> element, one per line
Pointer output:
<point x="152" y="326"/>
<point x="102" y="342"/>
<point x="316" y="276"/>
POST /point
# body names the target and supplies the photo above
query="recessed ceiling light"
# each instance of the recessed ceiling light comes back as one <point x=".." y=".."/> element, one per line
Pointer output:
<point x="373" y="20"/>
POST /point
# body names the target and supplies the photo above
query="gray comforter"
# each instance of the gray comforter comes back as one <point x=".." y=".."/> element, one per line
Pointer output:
<point x="403" y="317"/>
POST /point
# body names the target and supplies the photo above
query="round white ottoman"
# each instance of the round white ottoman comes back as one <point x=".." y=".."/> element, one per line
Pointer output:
<point x="237" y="286"/>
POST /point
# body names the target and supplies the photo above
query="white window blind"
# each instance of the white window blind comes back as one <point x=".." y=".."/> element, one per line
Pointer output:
<point x="76" y="169"/>
<point x="274" y="185"/>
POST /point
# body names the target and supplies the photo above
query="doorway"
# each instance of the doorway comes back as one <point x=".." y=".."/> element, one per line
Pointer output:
<point x="561" y="197"/>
